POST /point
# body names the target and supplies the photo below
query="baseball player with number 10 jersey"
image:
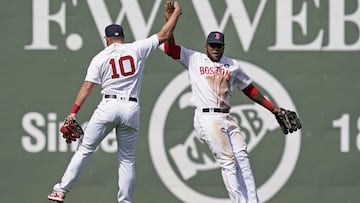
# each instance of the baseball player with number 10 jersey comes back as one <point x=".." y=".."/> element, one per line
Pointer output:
<point x="118" y="70"/>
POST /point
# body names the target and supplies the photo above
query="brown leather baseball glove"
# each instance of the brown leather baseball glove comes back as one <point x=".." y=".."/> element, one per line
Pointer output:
<point x="71" y="130"/>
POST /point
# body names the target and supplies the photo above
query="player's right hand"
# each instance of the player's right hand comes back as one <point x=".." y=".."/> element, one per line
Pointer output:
<point x="170" y="7"/>
<point x="177" y="7"/>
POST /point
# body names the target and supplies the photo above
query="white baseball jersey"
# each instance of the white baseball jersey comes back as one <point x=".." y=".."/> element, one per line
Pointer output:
<point x="118" y="68"/>
<point x="212" y="82"/>
<point x="212" y="87"/>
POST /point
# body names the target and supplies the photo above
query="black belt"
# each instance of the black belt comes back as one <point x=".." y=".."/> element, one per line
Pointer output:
<point x="106" y="96"/>
<point x="216" y="110"/>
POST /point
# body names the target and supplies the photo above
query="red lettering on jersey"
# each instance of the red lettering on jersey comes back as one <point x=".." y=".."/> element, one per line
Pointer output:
<point x="129" y="70"/>
<point x="201" y="69"/>
<point x="214" y="70"/>
<point x="125" y="71"/>
<point x="206" y="70"/>
<point x="227" y="73"/>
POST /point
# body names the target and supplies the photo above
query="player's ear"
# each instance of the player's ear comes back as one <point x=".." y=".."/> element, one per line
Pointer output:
<point x="107" y="41"/>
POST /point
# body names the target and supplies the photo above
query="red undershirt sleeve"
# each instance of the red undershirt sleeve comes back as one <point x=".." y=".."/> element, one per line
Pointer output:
<point x="251" y="91"/>
<point x="172" y="50"/>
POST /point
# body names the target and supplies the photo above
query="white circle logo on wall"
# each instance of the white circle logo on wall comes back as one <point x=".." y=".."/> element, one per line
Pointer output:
<point x="179" y="153"/>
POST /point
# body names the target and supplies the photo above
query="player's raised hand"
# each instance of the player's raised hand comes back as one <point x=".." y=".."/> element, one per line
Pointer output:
<point x="177" y="8"/>
<point x="170" y="7"/>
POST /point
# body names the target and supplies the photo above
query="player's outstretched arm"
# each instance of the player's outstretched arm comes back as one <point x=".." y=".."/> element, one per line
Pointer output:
<point x="254" y="94"/>
<point x="169" y="47"/>
<point x="288" y="120"/>
<point x="173" y="11"/>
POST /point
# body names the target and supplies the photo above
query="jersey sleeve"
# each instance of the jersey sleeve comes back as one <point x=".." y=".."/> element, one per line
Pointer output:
<point x="185" y="56"/>
<point x="242" y="79"/>
<point x="93" y="72"/>
<point x="146" y="46"/>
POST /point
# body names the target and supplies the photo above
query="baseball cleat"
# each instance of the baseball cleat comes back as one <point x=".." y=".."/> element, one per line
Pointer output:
<point x="56" y="196"/>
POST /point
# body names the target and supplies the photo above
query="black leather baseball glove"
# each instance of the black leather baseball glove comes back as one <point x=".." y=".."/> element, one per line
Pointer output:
<point x="288" y="121"/>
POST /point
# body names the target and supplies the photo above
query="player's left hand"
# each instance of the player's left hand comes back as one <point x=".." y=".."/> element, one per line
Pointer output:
<point x="288" y="120"/>
<point x="71" y="129"/>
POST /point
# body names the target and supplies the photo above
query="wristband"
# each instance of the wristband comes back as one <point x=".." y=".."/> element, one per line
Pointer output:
<point x="75" y="108"/>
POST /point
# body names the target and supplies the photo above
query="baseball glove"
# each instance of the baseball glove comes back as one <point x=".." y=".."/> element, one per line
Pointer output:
<point x="288" y="121"/>
<point x="71" y="130"/>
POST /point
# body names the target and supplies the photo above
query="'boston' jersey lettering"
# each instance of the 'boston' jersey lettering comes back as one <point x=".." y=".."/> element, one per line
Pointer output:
<point x="214" y="70"/>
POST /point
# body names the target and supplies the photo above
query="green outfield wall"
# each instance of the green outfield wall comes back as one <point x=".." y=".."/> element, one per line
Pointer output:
<point x="303" y="54"/>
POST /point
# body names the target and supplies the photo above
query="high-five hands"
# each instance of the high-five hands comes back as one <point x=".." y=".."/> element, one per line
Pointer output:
<point x="171" y="7"/>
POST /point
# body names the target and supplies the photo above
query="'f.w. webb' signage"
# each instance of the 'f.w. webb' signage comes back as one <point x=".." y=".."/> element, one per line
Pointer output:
<point x="289" y="19"/>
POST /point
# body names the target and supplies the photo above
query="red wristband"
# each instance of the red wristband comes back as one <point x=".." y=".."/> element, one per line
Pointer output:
<point x="75" y="108"/>
<point x="268" y="105"/>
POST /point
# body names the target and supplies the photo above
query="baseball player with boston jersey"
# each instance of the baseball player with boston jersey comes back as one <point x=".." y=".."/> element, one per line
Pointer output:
<point x="118" y="70"/>
<point x="213" y="77"/>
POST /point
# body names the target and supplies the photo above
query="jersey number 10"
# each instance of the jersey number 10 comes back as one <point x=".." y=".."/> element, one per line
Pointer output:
<point x="126" y="65"/>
